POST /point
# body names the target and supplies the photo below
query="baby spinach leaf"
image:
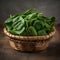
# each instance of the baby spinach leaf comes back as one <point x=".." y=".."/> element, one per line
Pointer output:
<point x="32" y="31"/>
<point x="37" y="25"/>
<point x="42" y="32"/>
<point x="53" y="19"/>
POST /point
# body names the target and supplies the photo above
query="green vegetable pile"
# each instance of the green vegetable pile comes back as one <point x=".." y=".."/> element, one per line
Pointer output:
<point x="30" y="23"/>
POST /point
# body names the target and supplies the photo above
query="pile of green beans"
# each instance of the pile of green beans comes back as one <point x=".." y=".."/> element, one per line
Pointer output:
<point x="30" y="23"/>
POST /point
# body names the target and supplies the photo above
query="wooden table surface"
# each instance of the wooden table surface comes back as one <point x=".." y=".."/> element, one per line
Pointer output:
<point x="51" y="53"/>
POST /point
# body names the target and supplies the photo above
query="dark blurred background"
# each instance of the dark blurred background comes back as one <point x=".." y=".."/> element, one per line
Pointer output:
<point x="48" y="7"/>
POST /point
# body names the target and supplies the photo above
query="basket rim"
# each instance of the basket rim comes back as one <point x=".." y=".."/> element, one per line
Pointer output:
<point x="45" y="37"/>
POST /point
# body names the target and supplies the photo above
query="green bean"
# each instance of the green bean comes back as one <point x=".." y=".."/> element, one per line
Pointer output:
<point x="17" y="25"/>
<point x="30" y="23"/>
<point x="20" y="26"/>
<point x="29" y="11"/>
<point x="8" y="20"/>
<point x="15" y="19"/>
<point x="18" y="32"/>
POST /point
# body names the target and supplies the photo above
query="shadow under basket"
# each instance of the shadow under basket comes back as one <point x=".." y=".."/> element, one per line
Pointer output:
<point x="29" y="43"/>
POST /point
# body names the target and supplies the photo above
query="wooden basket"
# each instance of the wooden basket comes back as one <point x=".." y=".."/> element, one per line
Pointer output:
<point x="29" y="43"/>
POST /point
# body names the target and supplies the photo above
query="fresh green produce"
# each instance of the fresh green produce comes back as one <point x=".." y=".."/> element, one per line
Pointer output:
<point x="30" y="23"/>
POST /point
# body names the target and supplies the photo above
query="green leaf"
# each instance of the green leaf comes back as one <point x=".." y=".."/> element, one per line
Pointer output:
<point x="37" y="25"/>
<point x="39" y="15"/>
<point x="29" y="11"/>
<point x="8" y="20"/>
<point x="42" y="32"/>
<point x="32" y="31"/>
<point x="53" y="19"/>
<point x="32" y="21"/>
<point x="26" y="23"/>
<point x="47" y="25"/>
<point x="8" y="26"/>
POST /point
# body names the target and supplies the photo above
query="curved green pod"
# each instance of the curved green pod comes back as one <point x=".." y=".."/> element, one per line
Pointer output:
<point x="17" y="32"/>
<point x="16" y="18"/>
<point x="19" y="27"/>
<point x="15" y="26"/>
<point x="29" y="11"/>
<point x="16" y="22"/>
<point x="21" y="24"/>
<point x="8" y="20"/>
